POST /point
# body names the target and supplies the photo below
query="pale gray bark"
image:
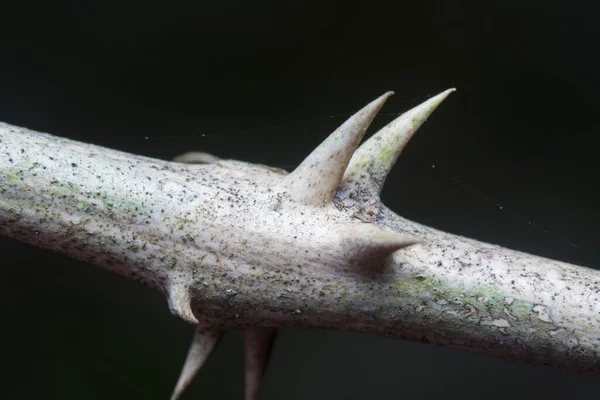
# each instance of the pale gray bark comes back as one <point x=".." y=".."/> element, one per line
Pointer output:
<point x="230" y="247"/>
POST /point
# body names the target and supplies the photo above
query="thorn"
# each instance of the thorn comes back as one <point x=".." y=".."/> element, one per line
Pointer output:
<point x="259" y="342"/>
<point x="196" y="157"/>
<point x="367" y="244"/>
<point x="374" y="159"/>
<point x="204" y="342"/>
<point x="316" y="179"/>
<point x="180" y="303"/>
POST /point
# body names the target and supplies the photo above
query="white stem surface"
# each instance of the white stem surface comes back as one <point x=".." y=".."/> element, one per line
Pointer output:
<point x="229" y="246"/>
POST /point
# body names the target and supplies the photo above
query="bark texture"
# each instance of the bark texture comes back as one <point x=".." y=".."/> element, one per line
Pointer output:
<point x="233" y="244"/>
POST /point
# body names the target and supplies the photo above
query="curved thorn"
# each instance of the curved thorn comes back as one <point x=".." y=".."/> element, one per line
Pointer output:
<point x="374" y="159"/>
<point x="204" y="342"/>
<point x="180" y="303"/>
<point x="367" y="244"/>
<point x="259" y="342"/>
<point x="196" y="157"/>
<point x="316" y="179"/>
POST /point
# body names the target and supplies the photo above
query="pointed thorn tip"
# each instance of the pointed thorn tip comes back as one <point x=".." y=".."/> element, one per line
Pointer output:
<point x="202" y="346"/>
<point x="368" y="244"/>
<point x="374" y="159"/>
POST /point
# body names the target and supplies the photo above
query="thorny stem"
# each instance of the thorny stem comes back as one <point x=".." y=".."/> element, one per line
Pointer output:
<point x="233" y="244"/>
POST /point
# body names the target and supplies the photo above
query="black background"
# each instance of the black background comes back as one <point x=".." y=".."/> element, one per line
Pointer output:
<point x="520" y="132"/>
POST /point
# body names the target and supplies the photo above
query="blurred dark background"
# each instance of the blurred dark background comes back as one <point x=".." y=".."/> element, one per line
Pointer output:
<point x="266" y="81"/>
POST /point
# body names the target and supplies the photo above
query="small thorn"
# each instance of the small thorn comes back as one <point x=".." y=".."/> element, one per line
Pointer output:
<point x="259" y="342"/>
<point x="367" y="244"/>
<point x="318" y="176"/>
<point x="374" y="159"/>
<point x="180" y="303"/>
<point x="202" y="345"/>
<point x="196" y="157"/>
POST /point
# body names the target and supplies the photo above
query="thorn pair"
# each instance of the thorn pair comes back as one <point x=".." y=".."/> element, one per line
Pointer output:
<point x="259" y="342"/>
<point x="337" y="162"/>
<point x="337" y="167"/>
